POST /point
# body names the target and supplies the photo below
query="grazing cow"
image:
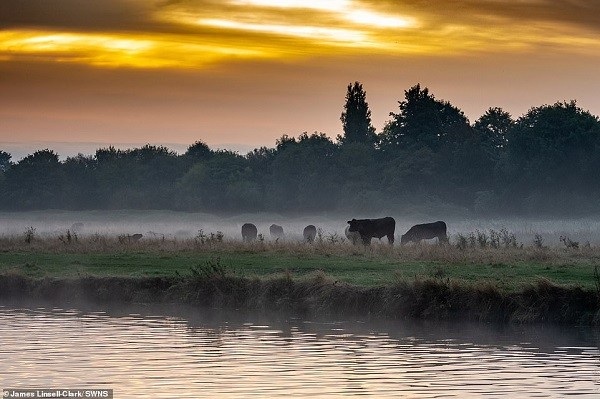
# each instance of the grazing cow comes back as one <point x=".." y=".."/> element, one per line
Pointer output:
<point x="249" y="232"/>
<point x="352" y="236"/>
<point x="309" y="233"/>
<point x="276" y="231"/>
<point x="135" y="237"/>
<point x="369" y="228"/>
<point x="426" y="231"/>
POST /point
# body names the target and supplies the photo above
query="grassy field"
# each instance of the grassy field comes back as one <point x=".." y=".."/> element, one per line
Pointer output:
<point x="329" y="278"/>
<point x="506" y="268"/>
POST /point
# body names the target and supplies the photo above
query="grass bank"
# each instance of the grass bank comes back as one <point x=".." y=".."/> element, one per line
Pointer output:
<point x="318" y="295"/>
<point x="506" y="268"/>
<point x="512" y="284"/>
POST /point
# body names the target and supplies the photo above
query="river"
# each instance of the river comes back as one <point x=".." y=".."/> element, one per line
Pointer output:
<point x="183" y="352"/>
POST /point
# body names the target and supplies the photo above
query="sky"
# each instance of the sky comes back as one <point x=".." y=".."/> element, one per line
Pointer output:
<point x="78" y="74"/>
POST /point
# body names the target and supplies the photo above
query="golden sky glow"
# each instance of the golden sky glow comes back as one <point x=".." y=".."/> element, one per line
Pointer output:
<point x="230" y="50"/>
<point x="194" y="34"/>
<point x="113" y="50"/>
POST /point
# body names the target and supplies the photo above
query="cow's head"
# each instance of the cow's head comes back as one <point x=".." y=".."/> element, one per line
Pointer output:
<point x="404" y="239"/>
<point x="354" y="225"/>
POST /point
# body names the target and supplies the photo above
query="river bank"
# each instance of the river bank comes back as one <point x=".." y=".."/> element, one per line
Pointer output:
<point x="318" y="295"/>
<point x="330" y="278"/>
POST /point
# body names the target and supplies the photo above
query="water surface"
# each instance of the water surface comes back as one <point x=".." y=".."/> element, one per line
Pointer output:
<point x="190" y="353"/>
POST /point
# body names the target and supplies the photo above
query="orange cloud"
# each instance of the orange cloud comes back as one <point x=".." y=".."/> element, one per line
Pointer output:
<point x="195" y="34"/>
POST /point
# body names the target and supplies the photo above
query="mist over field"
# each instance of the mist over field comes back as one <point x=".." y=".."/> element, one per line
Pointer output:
<point x="534" y="178"/>
<point x="181" y="225"/>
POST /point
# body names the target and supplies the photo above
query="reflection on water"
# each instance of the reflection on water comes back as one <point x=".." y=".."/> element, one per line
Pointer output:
<point x="162" y="352"/>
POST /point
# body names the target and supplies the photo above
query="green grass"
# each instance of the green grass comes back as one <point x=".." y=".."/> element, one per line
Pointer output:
<point x="358" y="267"/>
<point x="515" y="284"/>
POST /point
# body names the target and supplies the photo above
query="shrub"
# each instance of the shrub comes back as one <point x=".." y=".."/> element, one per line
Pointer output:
<point x="461" y="242"/>
<point x="538" y="241"/>
<point x="509" y="240"/>
<point x="569" y="243"/>
<point x="68" y="237"/>
<point x="211" y="238"/>
<point x="213" y="268"/>
<point x="29" y="234"/>
<point x="482" y="238"/>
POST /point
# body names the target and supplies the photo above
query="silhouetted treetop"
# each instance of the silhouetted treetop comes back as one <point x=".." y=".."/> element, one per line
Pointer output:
<point x="494" y="126"/>
<point x="356" y="118"/>
<point x="4" y="161"/>
<point x="423" y="121"/>
<point x="198" y="151"/>
<point x="555" y="143"/>
<point x="545" y="161"/>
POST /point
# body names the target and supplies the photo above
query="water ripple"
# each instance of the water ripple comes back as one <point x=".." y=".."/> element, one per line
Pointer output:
<point x="200" y="356"/>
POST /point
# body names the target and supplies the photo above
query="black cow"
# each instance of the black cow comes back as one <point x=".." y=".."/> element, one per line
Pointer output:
<point x="426" y="231"/>
<point x="309" y="233"/>
<point x="276" y="231"/>
<point x="369" y="228"/>
<point x="249" y="232"/>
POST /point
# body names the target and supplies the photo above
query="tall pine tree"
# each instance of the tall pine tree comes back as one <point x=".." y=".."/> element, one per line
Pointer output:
<point x="356" y="118"/>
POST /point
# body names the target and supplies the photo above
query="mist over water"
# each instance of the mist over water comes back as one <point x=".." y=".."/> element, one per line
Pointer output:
<point x="182" y="225"/>
<point x="163" y="351"/>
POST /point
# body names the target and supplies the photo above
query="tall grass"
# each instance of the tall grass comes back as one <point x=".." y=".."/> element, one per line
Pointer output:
<point x="479" y="246"/>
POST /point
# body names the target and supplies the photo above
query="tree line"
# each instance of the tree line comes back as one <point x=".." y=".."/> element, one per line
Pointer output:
<point x="427" y="154"/>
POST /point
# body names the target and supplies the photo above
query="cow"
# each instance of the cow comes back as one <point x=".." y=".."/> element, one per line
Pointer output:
<point x="352" y="236"/>
<point x="249" y="232"/>
<point x="276" y="232"/>
<point x="369" y="228"/>
<point x="425" y="231"/>
<point x="309" y="233"/>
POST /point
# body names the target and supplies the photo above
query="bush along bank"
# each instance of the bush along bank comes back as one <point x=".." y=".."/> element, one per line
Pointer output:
<point x="320" y="296"/>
